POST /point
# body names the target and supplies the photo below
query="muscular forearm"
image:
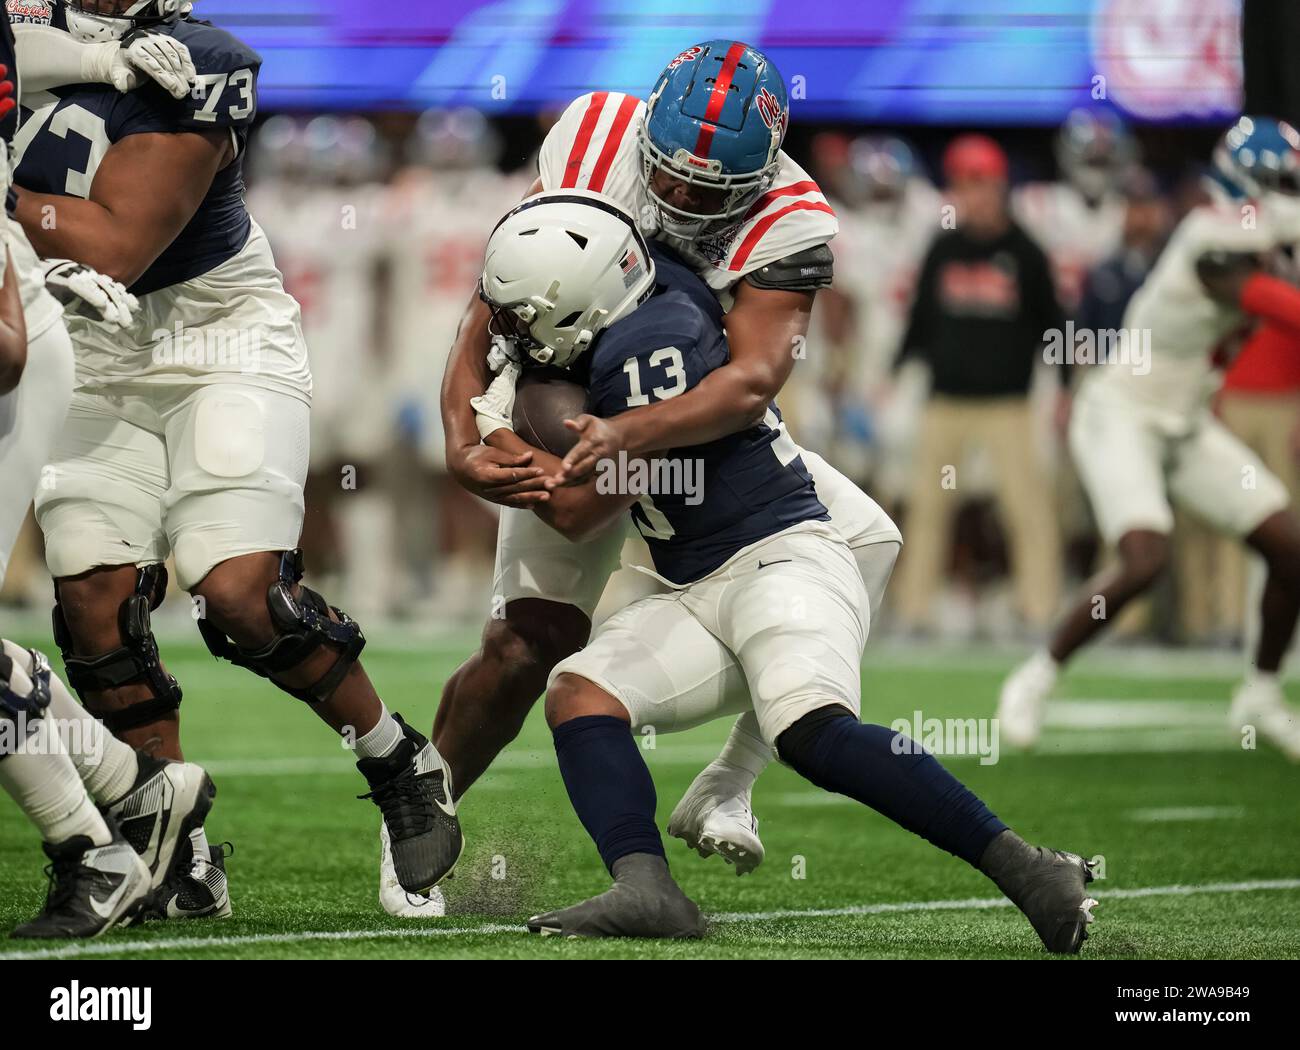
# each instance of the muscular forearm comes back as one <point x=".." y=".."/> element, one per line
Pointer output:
<point x="82" y="230"/>
<point x="466" y="376"/>
<point x="51" y="58"/>
<point x="727" y="400"/>
<point x="765" y="327"/>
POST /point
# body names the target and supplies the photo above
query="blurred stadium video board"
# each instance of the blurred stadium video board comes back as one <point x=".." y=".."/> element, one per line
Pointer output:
<point x="888" y="61"/>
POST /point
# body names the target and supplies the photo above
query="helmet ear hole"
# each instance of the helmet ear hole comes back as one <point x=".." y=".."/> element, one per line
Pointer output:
<point x="578" y="239"/>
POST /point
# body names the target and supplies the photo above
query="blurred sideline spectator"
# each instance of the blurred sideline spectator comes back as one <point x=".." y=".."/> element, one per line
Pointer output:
<point x="983" y="302"/>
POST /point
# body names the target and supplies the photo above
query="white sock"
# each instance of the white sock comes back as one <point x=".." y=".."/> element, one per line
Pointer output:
<point x="44" y="783"/>
<point x="744" y="756"/>
<point x="1045" y="659"/>
<point x="107" y="766"/>
<point x="381" y="741"/>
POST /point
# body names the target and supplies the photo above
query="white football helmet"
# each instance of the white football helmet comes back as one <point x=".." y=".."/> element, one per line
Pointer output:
<point x="561" y="267"/>
<point x="98" y="21"/>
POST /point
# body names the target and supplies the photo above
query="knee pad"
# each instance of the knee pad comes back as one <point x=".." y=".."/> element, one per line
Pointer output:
<point x="302" y="626"/>
<point x="137" y="659"/>
<point x="23" y="709"/>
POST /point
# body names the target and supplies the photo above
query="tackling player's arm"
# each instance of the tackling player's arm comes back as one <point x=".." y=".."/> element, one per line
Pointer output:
<point x="503" y="469"/>
<point x="764" y="327"/>
<point x="577" y="512"/>
<point x="127" y="223"/>
<point x="1239" y="279"/>
<point x="13" y="329"/>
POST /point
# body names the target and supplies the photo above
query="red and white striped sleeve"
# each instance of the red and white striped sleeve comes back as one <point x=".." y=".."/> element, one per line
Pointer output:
<point x="792" y="216"/>
<point x="593" y="146"/>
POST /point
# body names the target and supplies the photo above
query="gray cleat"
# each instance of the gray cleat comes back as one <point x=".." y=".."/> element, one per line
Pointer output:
<point x="643" y="902"/>
<point x="1049" y="886"/>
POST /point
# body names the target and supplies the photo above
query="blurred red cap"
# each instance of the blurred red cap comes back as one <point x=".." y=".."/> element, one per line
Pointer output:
<point x="974" y="156"/>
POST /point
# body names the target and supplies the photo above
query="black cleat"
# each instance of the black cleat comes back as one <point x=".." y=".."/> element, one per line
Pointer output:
<point x="92" y="889"/>
<point x="1049" y="886"/>
<point x="412" y="788"/>
<point x="643" y="902"/>
<point x="196" y="886"/>
<point x="168" y="802"/>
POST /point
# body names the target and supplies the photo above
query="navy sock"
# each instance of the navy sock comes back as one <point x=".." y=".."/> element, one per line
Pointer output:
<point x="609" y="785"/>
<point x="902" y="781"/>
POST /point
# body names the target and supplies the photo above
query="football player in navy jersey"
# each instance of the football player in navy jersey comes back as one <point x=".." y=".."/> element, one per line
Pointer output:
<point x="187" y="434"/>
<point x="762" y="604"/>
<point x="58" y="764"/>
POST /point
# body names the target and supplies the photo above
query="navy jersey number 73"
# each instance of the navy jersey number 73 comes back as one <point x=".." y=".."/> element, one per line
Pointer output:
<point x="752" y="484"/>
<point x="66" y="133"/>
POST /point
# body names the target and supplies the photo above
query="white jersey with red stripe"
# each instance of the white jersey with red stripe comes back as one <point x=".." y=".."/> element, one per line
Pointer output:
<point x="1075" y="234"/>
<point x="593" y="146"/>
<point x="1181" y="329"/>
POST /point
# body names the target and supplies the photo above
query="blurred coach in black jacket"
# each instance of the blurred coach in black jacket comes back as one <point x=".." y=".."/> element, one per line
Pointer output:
<point x="983" y="302"/>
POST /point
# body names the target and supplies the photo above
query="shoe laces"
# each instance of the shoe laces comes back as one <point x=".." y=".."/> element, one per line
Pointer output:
<point x="64" y="878"/>
<point x="402" y="800"/>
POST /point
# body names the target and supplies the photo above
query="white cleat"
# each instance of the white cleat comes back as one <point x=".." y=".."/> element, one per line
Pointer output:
<point x="1259" y="702"/>
<point x="1023" y="700"/>
<point x="395" y="900"/>
<point x="713" y="818"/>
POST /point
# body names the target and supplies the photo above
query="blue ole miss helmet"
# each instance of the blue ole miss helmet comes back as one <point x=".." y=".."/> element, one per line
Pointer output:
<point x="1257" y="156"/>
<point x="716" y="118"/>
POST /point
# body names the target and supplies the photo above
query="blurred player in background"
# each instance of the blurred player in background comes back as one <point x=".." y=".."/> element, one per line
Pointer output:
<point x="889" y="214"/>
<point x="1144" y="439"/>
<point x="1079" y="219"/>
<point x="322" y="198"/>
<point x="438" y="211"/>
<point x="188" y="433"/>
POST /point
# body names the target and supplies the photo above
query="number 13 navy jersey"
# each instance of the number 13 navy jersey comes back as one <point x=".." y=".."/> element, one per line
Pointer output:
<point x="743" y="487"/>
<point x="67" y="131"/>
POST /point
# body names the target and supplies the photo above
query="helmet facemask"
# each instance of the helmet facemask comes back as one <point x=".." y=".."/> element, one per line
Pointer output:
<point x="98" y="21"/>
<point x="737" y="192"/>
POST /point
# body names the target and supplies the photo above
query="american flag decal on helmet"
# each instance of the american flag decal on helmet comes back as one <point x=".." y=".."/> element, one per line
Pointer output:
<point x="631" y="266"/>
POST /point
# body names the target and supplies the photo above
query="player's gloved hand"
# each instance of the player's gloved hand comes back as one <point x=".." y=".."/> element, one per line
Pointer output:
<point x="144" y="54"/>
<point x="89" y="293"/>
<point x="493" y="407"/>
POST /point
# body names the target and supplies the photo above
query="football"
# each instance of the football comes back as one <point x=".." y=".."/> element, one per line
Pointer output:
<point x="544" y="399"/>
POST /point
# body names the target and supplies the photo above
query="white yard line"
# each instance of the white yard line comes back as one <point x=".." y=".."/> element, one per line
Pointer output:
<point x="1176" y="814"/>
<point x="115" y="946"/>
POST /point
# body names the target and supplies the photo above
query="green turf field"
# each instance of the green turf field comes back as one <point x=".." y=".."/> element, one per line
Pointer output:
<point x="1200" y="838"/>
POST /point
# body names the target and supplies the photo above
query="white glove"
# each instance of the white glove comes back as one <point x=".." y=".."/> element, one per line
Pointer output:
<point x="159" y="57"/>
<point x="493" y="407"/>
<point x="89" y="293"/>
